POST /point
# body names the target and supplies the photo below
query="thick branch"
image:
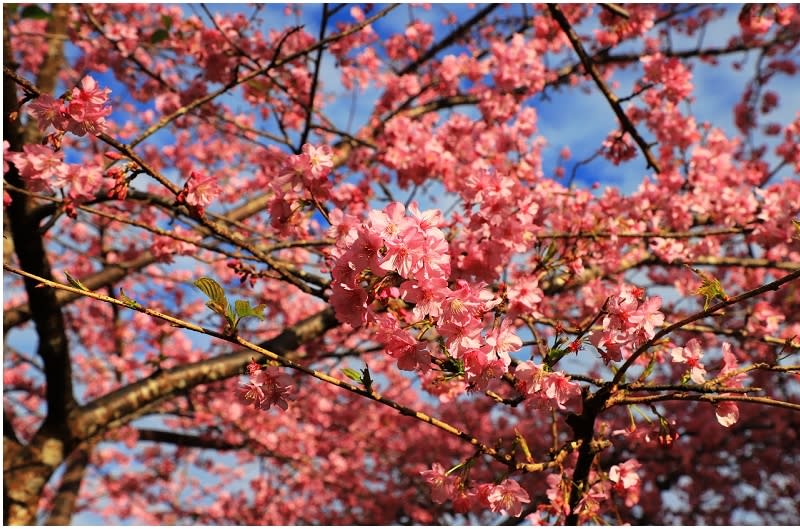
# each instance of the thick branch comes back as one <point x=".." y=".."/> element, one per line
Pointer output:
<point x="69" y="489"/>
<point x="53" y="347"/>
<point x="121" y="405"/>
<point x="187" y="440"/>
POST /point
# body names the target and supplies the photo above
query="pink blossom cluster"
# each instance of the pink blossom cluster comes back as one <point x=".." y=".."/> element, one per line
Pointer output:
<point x="302" y="176"/>
<point x="629" y="322"/>
<point x="44" y="170"/>
<point x="691" y="355"/>
<point x="404" y="256"/>
<point x="307" y="171"/>
<point x="82" y="111"/>
<point x="517" y="64"/>
<point x="267" y="386"/>
<point x="199" y="191"/>
<point x="506" y="497"/>
<point x="622" y="479"/>
<point x="641" y="18"/>
<point x="626" y="481"/>
<point x="497" y="229"/>
<point x="165" y="247"/>
<point x="39" y="166"/>
<point x="671" y="73"/>
<point x="543" y="388"/>
<point x="410" y="248"/>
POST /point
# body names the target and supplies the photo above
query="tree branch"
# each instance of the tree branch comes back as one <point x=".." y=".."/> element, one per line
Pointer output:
<point x="612" y="99"/>
<point x="69" y="488"/>
<point x="123" y="404"/>
<point x="765" y="401"/>
<point x="449" y="39"/>
<point x="53" y="346"/>
<point x="774" y="285"/>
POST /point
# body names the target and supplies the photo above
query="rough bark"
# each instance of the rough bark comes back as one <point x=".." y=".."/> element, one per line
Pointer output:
<point x="27" y="468"/>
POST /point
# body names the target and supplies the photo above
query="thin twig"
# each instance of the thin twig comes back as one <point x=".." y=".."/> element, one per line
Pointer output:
<point x="370" y="394"/>
<point x="612" y="99"/>
<point x="773" y="285"/>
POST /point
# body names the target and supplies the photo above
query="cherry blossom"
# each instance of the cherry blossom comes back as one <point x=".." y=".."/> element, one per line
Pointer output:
<point x="267" y="387"/>
<point x="199" y="191"/>
<point x="626" y="480"/>
<point x="691" y="355"/>
<point x="41" y="167"/>
<point x="507" y="497"/>
<point x="368" y="265"/>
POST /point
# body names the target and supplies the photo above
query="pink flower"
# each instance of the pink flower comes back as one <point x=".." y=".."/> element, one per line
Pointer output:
<point x="529" y="378"/>
<point x="464" y="499"/>
<point x="691" y="355"/>
<point x="647" y="316"/>
<point x="199" y="191"/>
<point x="86" y="107"/>
<point x="426" y="296"/>
<point x="84" y="110"/>
<point x="267" y="387"/>
<point x="525" y="296"/>
<point x="507" y="498"/>
<point x="349" y="303"/>
<point x="671" y="72"/>
<point x="164" y="247"/>
<point x="625" y="474"/>
<point x="558" y="388"/>
<point x="410" y="353"/>
<point x="461" y="338"/>
<point x="40" y="167"/>
<point x="545" y="388"/>
<point x="320" y="159"/>
<point x="729" y="366"/>
<point x="480" y="369"/>
<point x="442" y="485"/>
<point x="388" y="223"/>
<point x="628" y="324"/>
<point x="503" y="341"/>
<point x="49" y="111"/>
<point x="85" y="181"/>
<point x="308" y="171"/>
<point x="727" y="414"/>
<point x="404" y="255"/>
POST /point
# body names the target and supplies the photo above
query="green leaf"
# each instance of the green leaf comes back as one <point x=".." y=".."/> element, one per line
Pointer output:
<point x="128" y="301"/>
<point x="75" y="283"/>
<point x="796" y="224"/>
<point x="35" y="12"/>
<point x="212" y="289"/>
<point x="233" y="321"/>
<point x="710" y="288"/>
<point x="549" y="252"/>
<point x="166" y="21"/>
<point x="244" y="310"/>
<point x="159" y="35"/>
<point x="453" y="366"/>
<point x="352" y="374"/>
<point x="222" y="310"/>
<point x="553" y="356"/>
<point x="366" y="378"/>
